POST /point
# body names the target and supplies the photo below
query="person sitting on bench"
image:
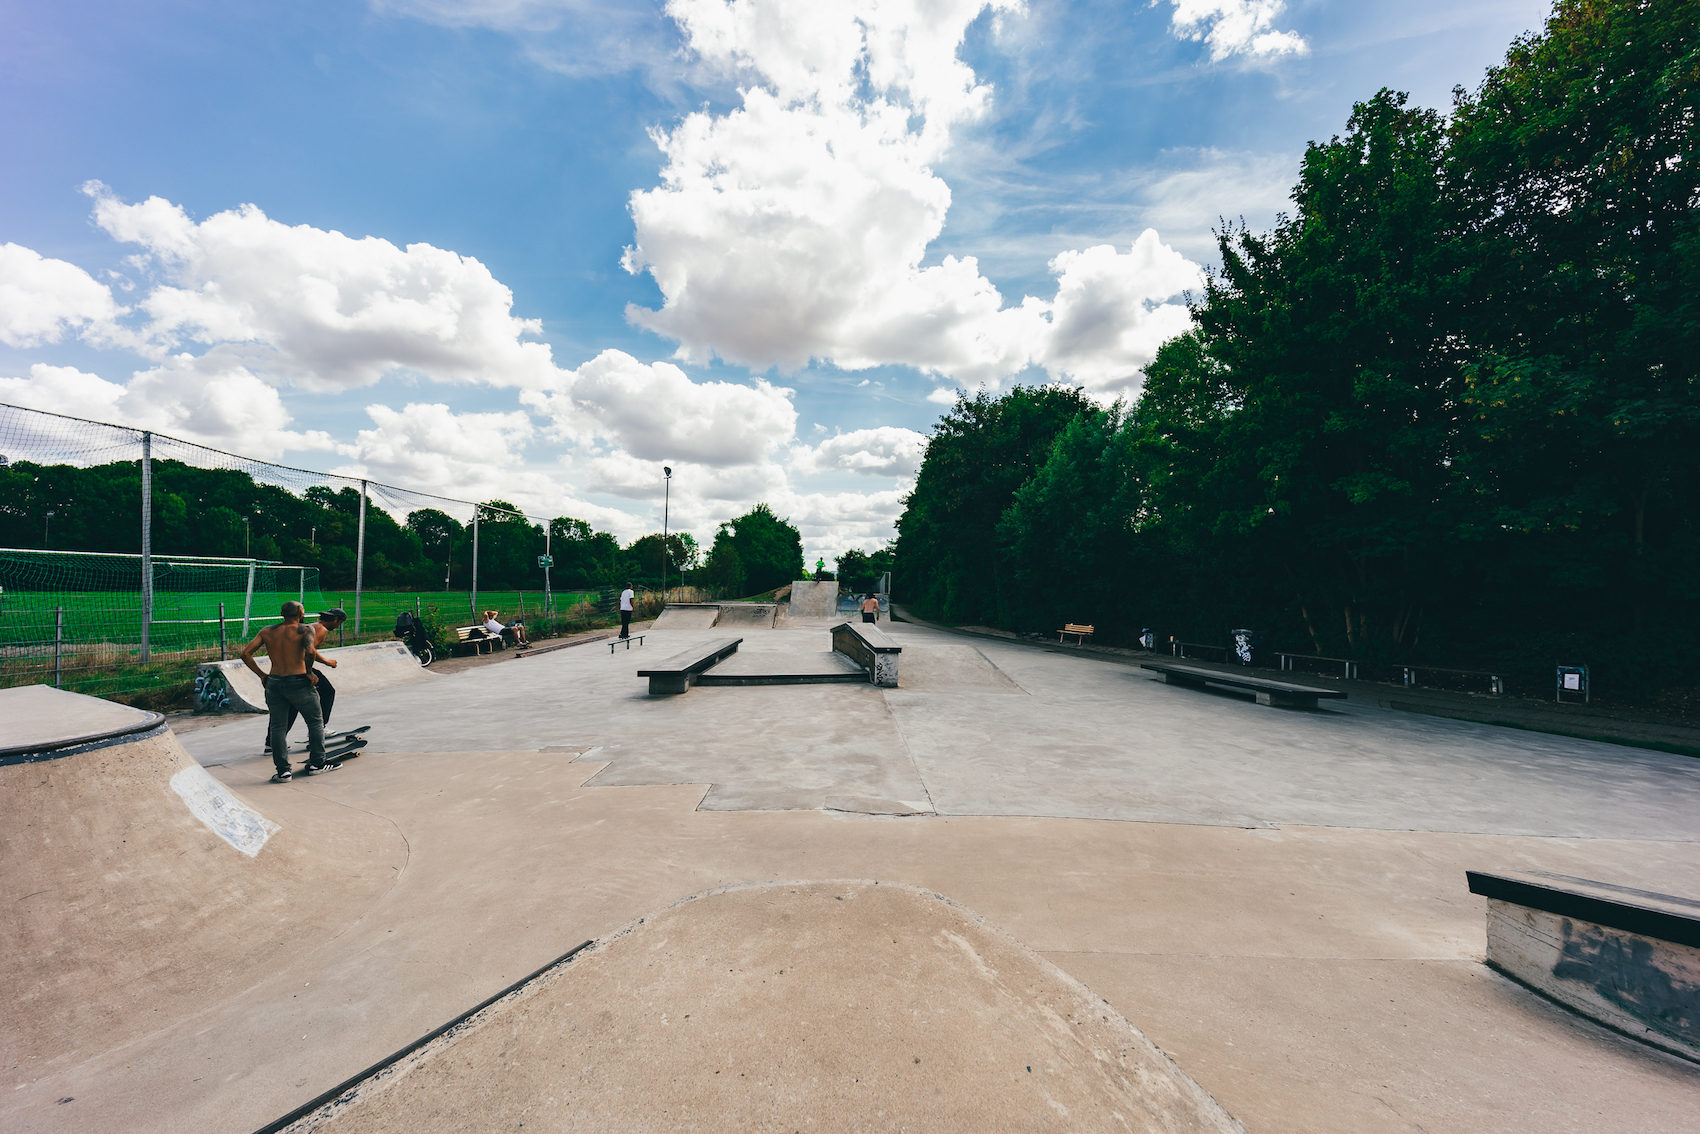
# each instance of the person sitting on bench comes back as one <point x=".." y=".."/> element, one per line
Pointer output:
<point x="515" y="632"/>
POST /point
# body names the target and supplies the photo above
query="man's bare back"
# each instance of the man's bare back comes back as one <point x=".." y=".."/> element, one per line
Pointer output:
<point x="290" y="646"/>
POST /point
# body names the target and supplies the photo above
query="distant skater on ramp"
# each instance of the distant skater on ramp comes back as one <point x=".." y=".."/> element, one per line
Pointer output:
<point x="290" y="648"/>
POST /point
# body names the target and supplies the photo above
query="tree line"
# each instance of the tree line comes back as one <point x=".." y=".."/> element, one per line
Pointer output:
<point x="1444" y="410"/>
<point x="226" y="513"/>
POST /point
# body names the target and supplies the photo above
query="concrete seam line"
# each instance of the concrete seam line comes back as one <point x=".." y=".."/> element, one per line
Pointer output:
<point x="340" y="1089"/>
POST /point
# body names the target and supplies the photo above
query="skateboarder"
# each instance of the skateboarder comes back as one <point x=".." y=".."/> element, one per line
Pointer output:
<point x="289" y="647"/>
<point x="329" y="620"/>
<point x="871" y="609"/>
<point x="626" y="597"/>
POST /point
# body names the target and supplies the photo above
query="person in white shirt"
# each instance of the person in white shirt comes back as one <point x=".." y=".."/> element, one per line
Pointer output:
<point x="626" y="597"/>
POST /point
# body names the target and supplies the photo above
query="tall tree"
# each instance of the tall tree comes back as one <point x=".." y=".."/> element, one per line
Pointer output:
<point x="980" y="453"/>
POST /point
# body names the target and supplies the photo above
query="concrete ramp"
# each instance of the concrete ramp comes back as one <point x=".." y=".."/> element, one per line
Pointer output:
<point x="810" y="599"/>
<point x="810" y="1005"/>
<point x="675" y="616"/>
<point x="956" y="669"/>
<point x="231" y="687"/>
<point x="138" y="889"/>
<point x="746" y="616"/>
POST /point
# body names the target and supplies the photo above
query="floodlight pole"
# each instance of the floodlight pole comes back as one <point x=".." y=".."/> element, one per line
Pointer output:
<point x="548" y="555"/>
<point x="147" y="540"/>
<point x="360" y="560"/>
<point x="666" y="500"/>
<point x="474" y="595"/>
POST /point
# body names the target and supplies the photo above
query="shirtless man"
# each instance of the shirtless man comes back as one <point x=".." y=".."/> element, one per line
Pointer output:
<point x="289" y="646"/>
<point x="329" y="620"/>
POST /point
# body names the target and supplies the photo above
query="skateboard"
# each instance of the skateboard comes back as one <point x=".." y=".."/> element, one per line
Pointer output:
<point x="330" y="737"/>
<point x="346" y="748"/>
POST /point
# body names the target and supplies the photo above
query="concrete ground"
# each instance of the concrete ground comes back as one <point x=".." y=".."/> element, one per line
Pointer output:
<point x="1275" y="897"/>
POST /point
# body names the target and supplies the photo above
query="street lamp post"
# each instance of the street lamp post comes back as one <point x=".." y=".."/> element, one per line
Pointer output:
<point x="45" y="522"/>
<point x="666" y="500"/>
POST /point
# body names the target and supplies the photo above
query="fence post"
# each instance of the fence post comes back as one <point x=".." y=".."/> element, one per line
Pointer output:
<point x="301" y="588"/>
<point x="222" y="655"/>
<point x="58" y="646"/>
<point x="248" y="602"/>
<point x="360" y="560"/>
<point x="147" y="540"/>
<point x="474" y="595"/>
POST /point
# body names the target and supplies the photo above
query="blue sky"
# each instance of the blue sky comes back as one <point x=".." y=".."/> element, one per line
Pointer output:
<point x="761" y="242"/>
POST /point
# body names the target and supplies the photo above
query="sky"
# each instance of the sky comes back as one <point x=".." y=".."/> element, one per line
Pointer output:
<point x="537" y="250"/>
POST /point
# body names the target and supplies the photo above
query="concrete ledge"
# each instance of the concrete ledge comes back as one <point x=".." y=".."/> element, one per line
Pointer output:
<point x="869" y="647"/>
<point x="1628" y="959"/>
<point x="1281" y="694"/>
<point x="681" y="671"/>
<point x="230" y="687"/>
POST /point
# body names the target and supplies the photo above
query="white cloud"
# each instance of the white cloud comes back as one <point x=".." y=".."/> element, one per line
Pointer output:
<point x="42" y="300"/>
<point x="882" y="451"/>
<point x="317" y="309"/>
<point x="794" y="227"/>
<point x="184" y="397"/>
<point x="1236" y="27"/>
<point x="657" y="413"/>
<point x="1108" y="318"/>
<point x="466" y="456"/>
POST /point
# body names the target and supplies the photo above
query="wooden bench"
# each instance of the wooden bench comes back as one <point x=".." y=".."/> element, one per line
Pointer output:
<point x="1350" y="665"/>
<point x="1281" y="694"/>
<point x="626" y="641"/>
<point x="1081" y="633"/>
<point x="679" y="672"/>
<point x="464" y="637"/>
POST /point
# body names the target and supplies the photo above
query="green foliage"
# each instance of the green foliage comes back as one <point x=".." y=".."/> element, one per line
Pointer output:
<point x="758" y="551"/>
<point x="201" y="511"/>
<point x="980" y="454"/>
<point x="860" y="572"/>
<point x="1444" y="410"/>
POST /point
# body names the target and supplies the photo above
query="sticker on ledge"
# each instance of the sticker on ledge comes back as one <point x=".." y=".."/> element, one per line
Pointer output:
<point x="225" y="815"/>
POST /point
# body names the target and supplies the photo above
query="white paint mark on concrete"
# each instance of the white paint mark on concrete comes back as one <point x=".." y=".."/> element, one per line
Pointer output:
<point x="225" y="815"/>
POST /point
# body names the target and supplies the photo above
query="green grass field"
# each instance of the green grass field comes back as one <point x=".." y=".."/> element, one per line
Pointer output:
<point x="190" y="620"/>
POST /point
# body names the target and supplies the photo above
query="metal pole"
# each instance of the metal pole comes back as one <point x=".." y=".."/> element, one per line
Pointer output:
<point x="147" y="540"/>
<point x="58" y="646"/>
<point x="223" y="653"/>
<point x="474" y="595"/>
<point x="666" y="500"/>
<point x="301" y="588"/>
<point x="248" y="602"/>
<point x="360" y="560"/>
<point x="548" y="553"/>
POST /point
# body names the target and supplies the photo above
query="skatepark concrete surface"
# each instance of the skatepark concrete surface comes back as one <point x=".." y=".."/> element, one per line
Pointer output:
<point x="838" y="1005"/>
<point x="1276" y="898"/>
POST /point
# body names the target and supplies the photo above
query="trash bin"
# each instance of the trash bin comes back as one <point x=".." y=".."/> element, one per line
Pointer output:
<point x="1247" y="647"/>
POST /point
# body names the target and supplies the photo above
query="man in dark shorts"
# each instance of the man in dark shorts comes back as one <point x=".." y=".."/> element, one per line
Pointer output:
<point x="871" y="609"/>
<point x="289" y="647"/>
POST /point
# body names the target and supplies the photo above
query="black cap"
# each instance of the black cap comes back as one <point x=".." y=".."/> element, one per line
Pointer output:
<point x="335" y="612"/>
